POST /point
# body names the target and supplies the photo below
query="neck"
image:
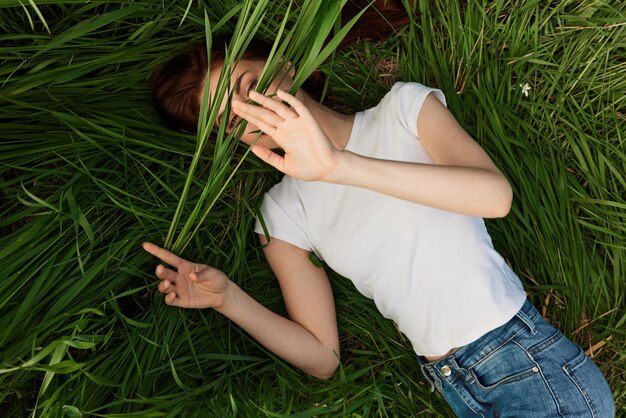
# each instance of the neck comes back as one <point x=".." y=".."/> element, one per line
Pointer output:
<point x="337" y="126"/>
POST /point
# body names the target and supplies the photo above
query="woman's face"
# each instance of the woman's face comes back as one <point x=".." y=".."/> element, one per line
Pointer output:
<point x="243" y="78"/>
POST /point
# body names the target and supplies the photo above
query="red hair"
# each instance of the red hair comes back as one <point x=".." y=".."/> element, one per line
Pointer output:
<point x="177" y="83"/>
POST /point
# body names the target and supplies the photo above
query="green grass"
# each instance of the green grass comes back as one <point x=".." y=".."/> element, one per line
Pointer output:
<point x="88" y="172"/>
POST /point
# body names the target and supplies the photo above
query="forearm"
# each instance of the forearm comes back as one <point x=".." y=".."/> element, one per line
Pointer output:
<point x="466" y="190"/>
<point x="284" y="337"/>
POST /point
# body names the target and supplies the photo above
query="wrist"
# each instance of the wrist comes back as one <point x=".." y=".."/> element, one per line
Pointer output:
<point x="229" y="297"/>
<point x="339" y="173"/>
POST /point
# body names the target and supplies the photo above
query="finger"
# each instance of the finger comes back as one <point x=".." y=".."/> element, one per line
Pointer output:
<point x="166" y="287"/>
<point x="269" y="156"/>
<point x="296" y="104"/>
<point x="204" y="274"/>
<point x="278" y="107"/>
<point x="248" y="111"/>
<point x="171" y="299"/>
<point x="165" y="273"/>
<point x="263" y="126"/>
<point x="163" y="254"/>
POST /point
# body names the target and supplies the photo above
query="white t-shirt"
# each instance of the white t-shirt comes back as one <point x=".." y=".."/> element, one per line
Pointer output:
<point x="433" y="272"/>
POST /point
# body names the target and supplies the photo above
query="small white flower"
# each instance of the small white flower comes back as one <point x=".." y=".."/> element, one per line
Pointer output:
<point x="525" y="89"/>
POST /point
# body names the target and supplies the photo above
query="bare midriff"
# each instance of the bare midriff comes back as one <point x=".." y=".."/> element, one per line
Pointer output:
<point x="431" y="359"/>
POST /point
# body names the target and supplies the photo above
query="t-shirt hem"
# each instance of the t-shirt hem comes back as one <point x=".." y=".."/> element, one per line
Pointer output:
<point x="473" y="336"/>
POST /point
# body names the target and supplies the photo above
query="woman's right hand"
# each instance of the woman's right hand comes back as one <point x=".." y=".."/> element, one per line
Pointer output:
<point x="309" y="154"/>
<point x="191" y="285"/>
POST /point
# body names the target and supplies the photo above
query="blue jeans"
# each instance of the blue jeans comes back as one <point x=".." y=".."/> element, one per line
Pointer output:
<point x="525" y="368"/>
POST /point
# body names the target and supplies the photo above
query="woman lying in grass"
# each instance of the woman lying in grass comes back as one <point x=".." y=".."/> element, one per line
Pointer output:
<point x="393" y="199"/>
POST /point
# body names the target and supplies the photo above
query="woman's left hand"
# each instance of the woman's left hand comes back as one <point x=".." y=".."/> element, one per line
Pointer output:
<point x="309" y="154"/>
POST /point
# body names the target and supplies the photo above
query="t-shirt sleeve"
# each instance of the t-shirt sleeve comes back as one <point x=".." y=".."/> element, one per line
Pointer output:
<point x="282" y="213"/>
<point x="408" y="99"/>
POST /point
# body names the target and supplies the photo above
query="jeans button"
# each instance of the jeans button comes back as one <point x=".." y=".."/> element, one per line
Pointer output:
<point x="446" y="371"/>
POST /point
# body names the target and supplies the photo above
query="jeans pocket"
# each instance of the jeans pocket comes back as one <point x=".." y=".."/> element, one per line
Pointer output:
<point x="591" y="383"/>
<point x="507" y="364"/>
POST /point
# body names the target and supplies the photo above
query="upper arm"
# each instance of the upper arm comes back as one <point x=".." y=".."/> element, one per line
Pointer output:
<point x="306" y="290"/>
<point x="446" y="141"/>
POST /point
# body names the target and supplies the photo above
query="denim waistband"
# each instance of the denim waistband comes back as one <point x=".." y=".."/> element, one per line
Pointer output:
<point x="472" y="353"/>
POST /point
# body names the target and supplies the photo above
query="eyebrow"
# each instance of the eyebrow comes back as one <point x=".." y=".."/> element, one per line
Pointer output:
<point x="237" y="88"/>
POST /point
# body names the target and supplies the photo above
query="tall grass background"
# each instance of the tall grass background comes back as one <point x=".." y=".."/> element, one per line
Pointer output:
<point x="88" y="172"/>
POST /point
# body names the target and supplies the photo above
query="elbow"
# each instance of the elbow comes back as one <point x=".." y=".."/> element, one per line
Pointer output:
<point x="502" y="198"/>
<point x="326" y="370"/>
<point x="502" y="206"/>
<point x="325" y="373"/>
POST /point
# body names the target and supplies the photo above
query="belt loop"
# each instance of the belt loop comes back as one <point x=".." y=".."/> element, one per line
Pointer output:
<point x="526" y="320"/>
<point x="428" y="376"/>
